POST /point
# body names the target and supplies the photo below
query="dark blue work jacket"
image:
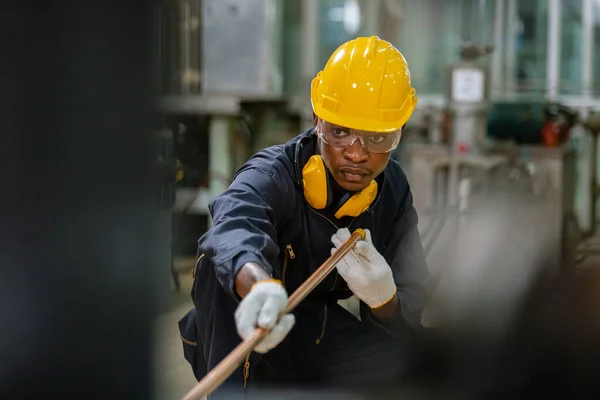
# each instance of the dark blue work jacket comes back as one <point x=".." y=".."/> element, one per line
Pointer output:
<point x="263" y="217"/>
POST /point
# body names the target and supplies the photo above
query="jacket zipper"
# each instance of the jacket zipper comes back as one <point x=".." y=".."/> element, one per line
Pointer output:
<point x="246" y="370"/>
<point x="320" y="339"/>
<point x="291" y="255"/>
<point x="336" y="227"/>
<point x="288" y="255"/>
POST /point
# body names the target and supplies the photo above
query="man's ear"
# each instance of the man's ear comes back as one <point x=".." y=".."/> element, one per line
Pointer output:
<point x="315" y="119"/>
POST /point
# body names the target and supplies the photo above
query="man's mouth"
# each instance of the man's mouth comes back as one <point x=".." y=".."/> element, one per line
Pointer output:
<point x="354" y="174"/>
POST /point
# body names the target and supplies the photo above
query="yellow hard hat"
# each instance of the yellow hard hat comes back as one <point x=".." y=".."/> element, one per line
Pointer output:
<point x="365" y="85"/>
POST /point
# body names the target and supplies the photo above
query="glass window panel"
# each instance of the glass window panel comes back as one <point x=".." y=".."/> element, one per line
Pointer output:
<point x="596" y="74"/>
<point x="480" y="19"/>
<point x="431" y="32"/>
<point x="429" y="51"/>
<point x="528" y="73"/>
<point x="428" y="32"/>
<point x="340" y="21"/>
<point x="292" y="20"/>
<point x="571" y="49"/>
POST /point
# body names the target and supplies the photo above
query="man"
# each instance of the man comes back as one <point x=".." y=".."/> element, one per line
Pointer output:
<point x="287" y="210"/>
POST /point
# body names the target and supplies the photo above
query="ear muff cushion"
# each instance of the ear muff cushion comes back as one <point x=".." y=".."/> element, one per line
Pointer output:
<point x="315" y="181"/>
<point x="359" y="202"/>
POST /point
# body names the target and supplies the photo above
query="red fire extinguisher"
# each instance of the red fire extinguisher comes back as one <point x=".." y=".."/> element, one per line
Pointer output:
<point x="557" y="128"/>
<point x="551" y="134"/>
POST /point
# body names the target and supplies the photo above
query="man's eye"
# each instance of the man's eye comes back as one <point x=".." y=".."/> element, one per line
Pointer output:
<point x="377" y="139"/>
<point x="339" y="132"/>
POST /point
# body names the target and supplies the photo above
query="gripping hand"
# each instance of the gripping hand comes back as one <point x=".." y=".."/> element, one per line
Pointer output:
<point x="261" y="307"/>
<point x="365" y="271"/>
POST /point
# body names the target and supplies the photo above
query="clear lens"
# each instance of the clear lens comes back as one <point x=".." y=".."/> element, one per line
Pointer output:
<point x="372" y="142"/>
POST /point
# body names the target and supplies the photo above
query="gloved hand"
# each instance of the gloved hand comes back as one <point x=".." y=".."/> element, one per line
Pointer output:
<point x="365" y="270"/>
<point x="261" y="308"/>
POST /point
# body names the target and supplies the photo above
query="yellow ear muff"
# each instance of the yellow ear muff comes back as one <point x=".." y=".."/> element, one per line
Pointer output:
<point x="359" y="202"/>
<point x="316" y="190"/>
<point x="314" y="182"/>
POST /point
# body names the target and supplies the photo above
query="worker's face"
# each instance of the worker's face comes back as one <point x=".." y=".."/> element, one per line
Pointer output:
<point x="352" y="167"/>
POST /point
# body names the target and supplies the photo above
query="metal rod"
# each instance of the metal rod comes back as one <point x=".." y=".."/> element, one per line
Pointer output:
<point x="228" y="365"/>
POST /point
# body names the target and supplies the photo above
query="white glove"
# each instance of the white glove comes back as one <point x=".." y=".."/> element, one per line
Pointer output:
<point x="365" y="270"/>
<point x="261" y="308"/>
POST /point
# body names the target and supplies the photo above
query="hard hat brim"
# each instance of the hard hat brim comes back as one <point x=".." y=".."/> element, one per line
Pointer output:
<point x="351" y="122"/>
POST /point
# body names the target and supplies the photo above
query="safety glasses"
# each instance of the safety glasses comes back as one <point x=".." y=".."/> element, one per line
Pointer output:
<point x="372" y="142"/>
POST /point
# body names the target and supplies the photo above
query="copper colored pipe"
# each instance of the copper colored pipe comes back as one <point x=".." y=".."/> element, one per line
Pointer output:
<point x="228" y="365"/>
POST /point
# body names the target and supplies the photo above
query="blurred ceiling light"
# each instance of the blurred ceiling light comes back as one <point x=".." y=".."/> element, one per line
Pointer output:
<point x="352" y="17"/>
<point x="335" y="14"/>
<point x="349" y="14"/>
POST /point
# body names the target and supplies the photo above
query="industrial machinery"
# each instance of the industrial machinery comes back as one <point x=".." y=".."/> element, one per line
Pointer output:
<point x="220" y="71"/>
<point x="468" y="98"/>
<point x="201" y="89"/>
<point x="474" y="171"/>
<point x="215" y="92"/>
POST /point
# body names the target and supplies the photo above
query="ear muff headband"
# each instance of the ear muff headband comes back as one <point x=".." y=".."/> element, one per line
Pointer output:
<point x="297" y="168"/>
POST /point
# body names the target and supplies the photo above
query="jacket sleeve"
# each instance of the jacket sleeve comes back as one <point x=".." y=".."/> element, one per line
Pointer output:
<point x="245" y="221"/>
<point x="405" y="255"/>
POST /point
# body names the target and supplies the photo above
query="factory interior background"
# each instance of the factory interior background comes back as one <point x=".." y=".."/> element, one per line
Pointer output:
<point x="501" y="152"/>
<point x="507" y="93"/>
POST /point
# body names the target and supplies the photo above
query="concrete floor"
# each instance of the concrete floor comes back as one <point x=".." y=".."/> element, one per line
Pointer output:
<point x="172" y="374"/>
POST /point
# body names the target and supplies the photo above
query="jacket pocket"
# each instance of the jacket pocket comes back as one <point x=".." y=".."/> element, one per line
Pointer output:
<point x="193" y="351"/>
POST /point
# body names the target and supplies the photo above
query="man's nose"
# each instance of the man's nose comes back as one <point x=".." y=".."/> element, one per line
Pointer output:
<point x="356" y="151"/>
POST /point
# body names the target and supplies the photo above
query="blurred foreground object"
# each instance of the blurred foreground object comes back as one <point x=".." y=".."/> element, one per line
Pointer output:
<point x="508" y="324"/>
<point x="81" y="257"/>
<point x="502" y="238"/>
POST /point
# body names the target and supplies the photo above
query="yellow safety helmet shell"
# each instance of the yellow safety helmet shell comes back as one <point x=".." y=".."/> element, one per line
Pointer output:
<point x="365" y="85"/>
